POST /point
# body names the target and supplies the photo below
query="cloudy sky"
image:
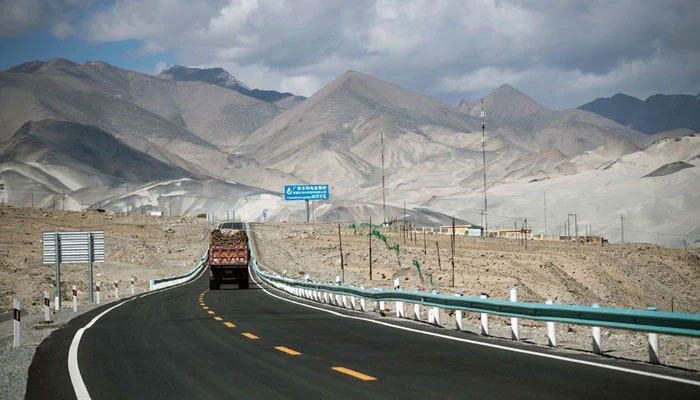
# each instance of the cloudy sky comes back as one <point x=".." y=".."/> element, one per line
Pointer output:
<point x="561" y="53"/>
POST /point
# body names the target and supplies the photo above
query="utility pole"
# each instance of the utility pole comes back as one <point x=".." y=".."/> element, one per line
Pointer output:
<point x="370" y="247"/>
<point x="545" y="213"/>
<point x="622" y="227"/>
<point x="381" y="130"/>
<point x="404" y="222"/>
<point x="483" y="152"/>
<point x="453" y="251"/>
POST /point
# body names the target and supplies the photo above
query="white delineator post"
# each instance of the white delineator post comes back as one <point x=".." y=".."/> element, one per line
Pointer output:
<point x="597" y="345"/>
<point x="75" y="299"/>
<point x="514" y="329"/>
<point x="116" y="289"/>
<point x="399" y="304"/>
<point x="551" y="329"/>
<point x="97" y="293"/>
<point x="132" y="286"/>
<point x="15" y="323"/>
<point x="47" y="308"/>
<point x="653" y="344"/>
<point x="416" y="312"/>
<point x="458" y="316"/>
<point x="484" y="318"/>
<point x="381" y="306"/>
<point x="400" y="310"/>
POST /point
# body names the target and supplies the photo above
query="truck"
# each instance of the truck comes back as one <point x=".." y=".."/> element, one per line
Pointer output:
<point x="228" y="255"/>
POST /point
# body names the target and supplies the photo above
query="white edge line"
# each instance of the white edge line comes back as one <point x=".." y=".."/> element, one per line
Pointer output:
<point x="495" y="346"/>
<point x="76" y="378"/>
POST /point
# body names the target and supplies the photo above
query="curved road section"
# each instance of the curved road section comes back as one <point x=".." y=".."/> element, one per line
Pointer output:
<point x="191" y="343"/>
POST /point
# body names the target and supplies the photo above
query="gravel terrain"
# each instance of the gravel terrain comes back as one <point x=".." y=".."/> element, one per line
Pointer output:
<point x="138" y="246"/>
<point x="631" y="276"/>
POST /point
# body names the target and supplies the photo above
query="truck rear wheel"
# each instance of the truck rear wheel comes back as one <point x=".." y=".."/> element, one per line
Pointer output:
<point x="243" y="284"/>
<point x="213" y="285"/>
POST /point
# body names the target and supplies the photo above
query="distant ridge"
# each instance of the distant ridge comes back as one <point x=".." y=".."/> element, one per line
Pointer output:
<point x="656" y="114"/>
<point x="220" y="77"/>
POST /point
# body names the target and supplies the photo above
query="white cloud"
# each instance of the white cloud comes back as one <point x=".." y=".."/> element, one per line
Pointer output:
<point x="305" y="85"/>
<point x="160" y="66"/>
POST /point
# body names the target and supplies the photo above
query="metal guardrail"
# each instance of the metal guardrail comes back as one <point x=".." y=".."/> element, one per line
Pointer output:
<point x="174" y="280"/>
<point x="628" y="319"/>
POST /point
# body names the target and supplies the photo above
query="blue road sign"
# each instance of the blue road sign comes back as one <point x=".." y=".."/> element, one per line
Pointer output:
<point x="306" y="192"/>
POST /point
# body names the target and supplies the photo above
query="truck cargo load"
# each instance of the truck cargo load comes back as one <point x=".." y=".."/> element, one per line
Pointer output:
<point x="228" y="256"/>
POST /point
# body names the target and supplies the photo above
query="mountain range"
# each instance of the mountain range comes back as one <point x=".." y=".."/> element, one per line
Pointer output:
<point x="193" y="140"/>
<point x="658" y="113"/>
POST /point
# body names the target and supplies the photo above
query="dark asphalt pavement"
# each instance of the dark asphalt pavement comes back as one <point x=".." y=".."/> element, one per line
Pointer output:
<point x="168" y="346"/>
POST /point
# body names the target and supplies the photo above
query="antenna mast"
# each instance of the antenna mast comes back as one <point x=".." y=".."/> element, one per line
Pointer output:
<point x="383" y="195"/>
<point x="483" y="152"/>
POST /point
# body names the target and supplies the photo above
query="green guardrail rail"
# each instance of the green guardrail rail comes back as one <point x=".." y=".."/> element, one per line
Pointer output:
<point x="185" y="275"/>
<point x="671" y="323"/>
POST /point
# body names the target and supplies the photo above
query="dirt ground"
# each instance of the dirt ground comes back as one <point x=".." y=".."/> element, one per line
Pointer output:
<point x="630" y="276"/>
<point x="137" y="246"/>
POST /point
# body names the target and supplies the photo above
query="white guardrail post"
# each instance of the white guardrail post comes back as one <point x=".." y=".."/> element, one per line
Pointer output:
<point x="97" y="293"/>
<point x="484" y="318"/>
<point x="132" y="286"/>
<point x="116" y="289"/>
<point x="551" y="330"/>
<point x="416" y="311"/>
<point x="47" y="308"/>
<point x="15" y="323"/>
<point x="653" y="344"/>
<point x="75" y="299"/>
<point x="514" y="328"/>
<point x="458" y="316"/>
<point x="434" y="313"/>
<point x="597" y="345"/>
<point x="362" y="302"/>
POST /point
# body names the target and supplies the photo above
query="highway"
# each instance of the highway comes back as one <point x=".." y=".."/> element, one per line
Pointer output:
<point x="192" y="343"/>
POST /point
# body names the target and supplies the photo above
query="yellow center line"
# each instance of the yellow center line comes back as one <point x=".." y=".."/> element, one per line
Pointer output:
<point x="354" y="374"/>
<point x="218" y="318"/>
<point x="210" y="312"/>
<point x="249" y="335"/>
<point x="205" y="307"/>
<point x="288" y="350"/>
<point x="230" y="324"/>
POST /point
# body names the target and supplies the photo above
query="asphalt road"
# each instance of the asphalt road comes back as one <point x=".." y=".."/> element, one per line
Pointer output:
<point x="191" y="343"/>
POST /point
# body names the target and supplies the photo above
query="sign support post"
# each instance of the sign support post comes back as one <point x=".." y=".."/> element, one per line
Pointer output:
<point x="90" y="299"/>
<point x="307" y="211"/>
<point x="58" y="272"/>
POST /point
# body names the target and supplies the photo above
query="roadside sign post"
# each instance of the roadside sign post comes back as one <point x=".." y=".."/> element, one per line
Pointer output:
<point x="306" y="193"/>
<point x="73" y="247"/>
<point x="57" y="257"/>
<point x="90" y="300"/>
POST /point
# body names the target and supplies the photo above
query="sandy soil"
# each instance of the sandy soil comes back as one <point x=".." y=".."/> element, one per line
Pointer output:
<point x="138" y="246"/>
<point x="631" y="276"/>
